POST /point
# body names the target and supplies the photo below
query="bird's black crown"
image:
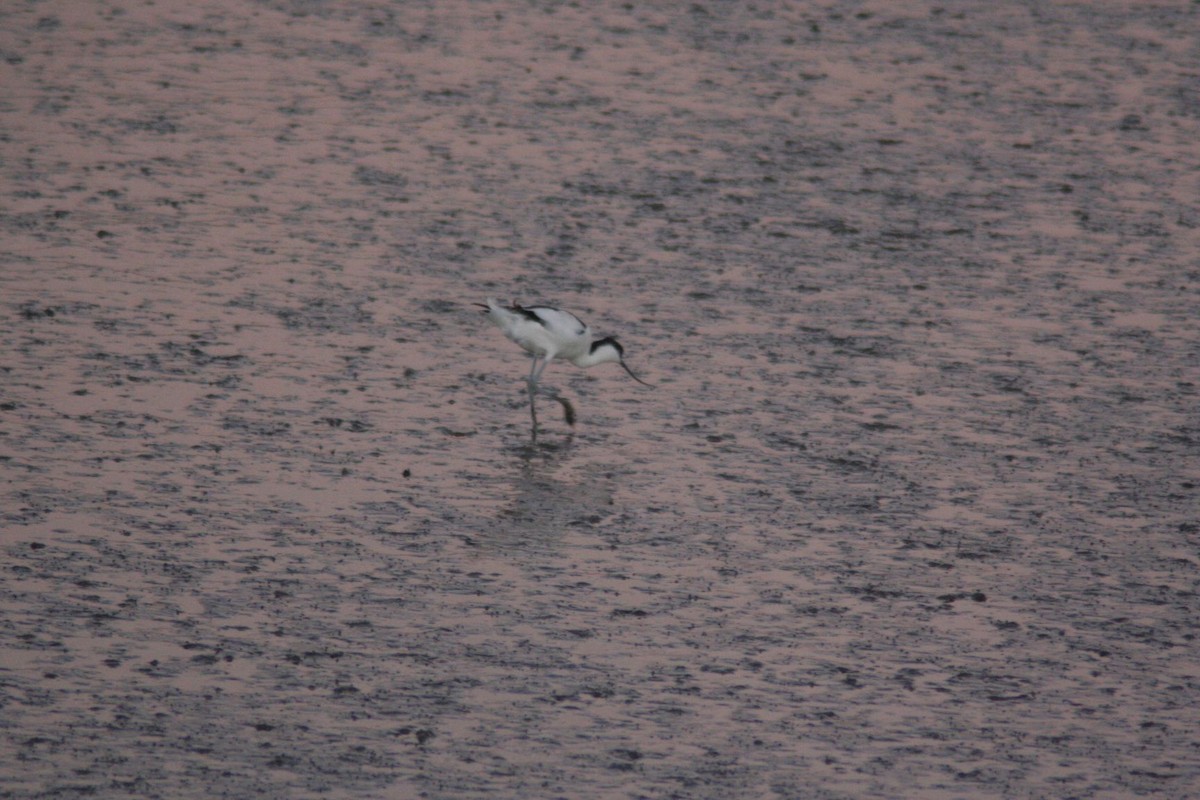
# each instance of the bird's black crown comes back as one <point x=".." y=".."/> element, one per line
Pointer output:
<point x="596" y="345"/>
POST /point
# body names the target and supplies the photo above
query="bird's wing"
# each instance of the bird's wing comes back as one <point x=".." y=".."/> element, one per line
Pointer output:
<point x="554" y="320"/>
<point x="527" y="313"/>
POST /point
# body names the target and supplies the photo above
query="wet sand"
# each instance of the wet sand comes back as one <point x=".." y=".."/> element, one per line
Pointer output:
<point x="912" y="512"/>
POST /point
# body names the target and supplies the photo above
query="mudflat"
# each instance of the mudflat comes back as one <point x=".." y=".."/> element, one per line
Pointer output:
<point x="911" y="512"/>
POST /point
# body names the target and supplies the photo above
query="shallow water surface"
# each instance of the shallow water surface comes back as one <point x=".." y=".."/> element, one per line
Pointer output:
<point x="912" y="510"/>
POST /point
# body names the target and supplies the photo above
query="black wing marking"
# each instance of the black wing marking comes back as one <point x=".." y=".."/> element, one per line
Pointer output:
<point x="531" y="312"/>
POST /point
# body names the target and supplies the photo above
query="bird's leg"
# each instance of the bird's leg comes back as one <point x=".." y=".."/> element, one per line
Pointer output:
<point x="535" y="376"/>
<point x="568" y="409"/>
<point x="531" y="385"/>
<point x="532" y="413"/>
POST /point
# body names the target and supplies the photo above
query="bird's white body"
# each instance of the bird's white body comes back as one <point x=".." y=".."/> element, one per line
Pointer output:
<point x="548" y="334"/>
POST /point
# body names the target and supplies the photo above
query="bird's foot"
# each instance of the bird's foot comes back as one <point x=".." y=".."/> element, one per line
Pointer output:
<point x="568" y="409"/>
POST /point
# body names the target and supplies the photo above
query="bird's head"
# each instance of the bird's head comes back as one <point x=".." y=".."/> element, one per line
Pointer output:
<point x="609" y="349"/>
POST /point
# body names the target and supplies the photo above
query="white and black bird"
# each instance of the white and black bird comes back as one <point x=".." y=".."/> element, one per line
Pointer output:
<point x="549" y="333"/>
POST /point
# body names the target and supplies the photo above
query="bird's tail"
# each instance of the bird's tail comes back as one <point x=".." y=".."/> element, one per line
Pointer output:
<point x="488" y="306"/>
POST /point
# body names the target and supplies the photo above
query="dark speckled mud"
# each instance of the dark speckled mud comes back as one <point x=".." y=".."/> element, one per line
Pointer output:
<point x="912" y="512"/>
